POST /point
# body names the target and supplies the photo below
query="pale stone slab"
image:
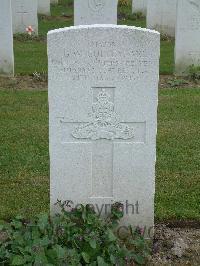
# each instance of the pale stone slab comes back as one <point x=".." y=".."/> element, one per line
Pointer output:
<point x="161" y="16"/>
<point x="24" y="14"/>
<point x="139" y="6"/>
<point x="88" y="12"/>
<point x="44" y="7"/>
<point x="187" y="45"/>
<point x="6" y="39"/>
<point x="103" y="82"/>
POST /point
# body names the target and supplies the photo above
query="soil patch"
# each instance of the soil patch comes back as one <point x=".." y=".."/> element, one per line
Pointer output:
<point x="175" y="246"/>
<point x="40" y="82"/>
<point x="23" y="82"/>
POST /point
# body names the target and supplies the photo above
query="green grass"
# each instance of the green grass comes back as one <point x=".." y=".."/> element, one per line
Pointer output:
<point x="24" y="182"/>
<point x="31" y="55"/>
<point x="178" y="156"/>
<point x="24" y="171"/>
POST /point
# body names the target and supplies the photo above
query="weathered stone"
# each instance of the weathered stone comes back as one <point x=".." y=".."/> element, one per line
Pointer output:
<point x="6" y="39"/>
<point x="161" y="16"/>
<point x="24" y="14"/>
<point x="103" y="83"/>
<point x="44" y="7"/>
<point x="187" y="47"/>
<point x="95" y="12"/>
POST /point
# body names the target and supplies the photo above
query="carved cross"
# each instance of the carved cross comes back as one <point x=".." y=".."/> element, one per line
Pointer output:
<point x="102" y="131"/>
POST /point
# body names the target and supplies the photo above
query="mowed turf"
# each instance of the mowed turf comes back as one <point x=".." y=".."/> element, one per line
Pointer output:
<point x="31" y="54"/>
<point x="24" y="158"/>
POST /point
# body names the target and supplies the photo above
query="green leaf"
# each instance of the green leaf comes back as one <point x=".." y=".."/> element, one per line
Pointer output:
<point x="93" y="243"/>
<point x="138" y="259"/>
<point x="41" y="259"/>
<point x="111" y="236"/>
<point x="86" y="257"/>
<point x="16" y="224"/>
<point x="17" y="260"/>
<point x="60" y="252"/>
<point x="101" y="261"/>
<point x="113" y="259"/>
<point x="84" y="215"/>
<point x="43" y="221"/>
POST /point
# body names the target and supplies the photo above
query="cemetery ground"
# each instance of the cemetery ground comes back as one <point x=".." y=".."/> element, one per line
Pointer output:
<point x="24" y="171"/>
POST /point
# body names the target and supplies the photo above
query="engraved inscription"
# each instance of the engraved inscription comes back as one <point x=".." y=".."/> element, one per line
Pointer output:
<point x="195" y="5"/>
<point x="108" y="62"/>
<point x="105" y="123"/>
<point x="96" y="5"/>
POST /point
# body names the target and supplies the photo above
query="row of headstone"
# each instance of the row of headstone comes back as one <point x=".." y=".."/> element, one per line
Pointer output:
<point x="179" y="19"/>
<point x="15" y="17"/>
<point x="161" y="16"/>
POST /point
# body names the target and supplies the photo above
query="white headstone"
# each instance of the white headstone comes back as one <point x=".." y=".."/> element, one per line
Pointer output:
<point x="187" y="47"/>
<point x="44" y="7"/>
<point x="139" y="6"/>
<point x="88" y="12"/>
<point x="6" y="39"/>
<point x="24" y="14"/>
<point x="103" y="82"/>
<point x="161" y="16"/>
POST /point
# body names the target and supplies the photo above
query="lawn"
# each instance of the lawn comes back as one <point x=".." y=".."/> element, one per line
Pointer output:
<point x="24" y="157"/>
<point x="28" y="51"/>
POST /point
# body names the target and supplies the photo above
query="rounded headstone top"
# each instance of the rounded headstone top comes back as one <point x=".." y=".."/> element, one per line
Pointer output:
<point x="102" y="26"/>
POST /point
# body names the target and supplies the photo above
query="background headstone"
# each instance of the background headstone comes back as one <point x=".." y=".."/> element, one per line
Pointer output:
<point x="187" y="46"/>
<point x="161" y="16"/>
<point x="139" y="6"/>
<point x="88" y="12"/>
<point x="44" y="7"/>
<point x="6" y="39"/>
<point x="24" y="14"/>
<point x="103" y="83"/>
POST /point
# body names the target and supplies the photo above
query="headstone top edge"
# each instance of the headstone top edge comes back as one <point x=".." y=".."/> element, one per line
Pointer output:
<point x="102" y="26"/>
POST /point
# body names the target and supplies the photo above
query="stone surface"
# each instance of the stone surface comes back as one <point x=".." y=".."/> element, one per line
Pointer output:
<point x="95" y="12"/>
<point x="187" y="46"/>
<point x="139" y="6"/>
<point x="6" y="39"/>
<point x="161" y="16"/>
<point x="44" y="7"/>
<point x="103" y="83"/>
<point x="24" y="14"/>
